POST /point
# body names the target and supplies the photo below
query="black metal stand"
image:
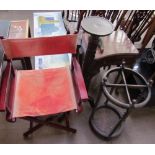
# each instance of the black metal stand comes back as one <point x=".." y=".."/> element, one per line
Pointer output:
<point x="89" y="58"/>
<point x="96" y="27"/>
<point x="111" y="110"/>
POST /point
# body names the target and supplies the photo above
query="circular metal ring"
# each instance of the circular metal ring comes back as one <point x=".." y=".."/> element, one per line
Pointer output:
<point x="97" y="129"/>
<point x="122" y="104"/>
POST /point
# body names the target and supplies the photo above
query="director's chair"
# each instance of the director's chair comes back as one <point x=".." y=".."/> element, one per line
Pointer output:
<point x="40" y="96"/>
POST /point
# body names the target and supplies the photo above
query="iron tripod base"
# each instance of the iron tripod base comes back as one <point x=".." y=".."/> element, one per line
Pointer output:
<point x="107" y="120"/>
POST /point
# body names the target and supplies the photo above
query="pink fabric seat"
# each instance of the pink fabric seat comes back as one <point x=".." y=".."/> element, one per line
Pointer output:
<point x="48" y="91"/>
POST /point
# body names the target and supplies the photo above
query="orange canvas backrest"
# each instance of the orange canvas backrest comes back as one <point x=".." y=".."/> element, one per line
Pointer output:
<point x="18" y="48"/>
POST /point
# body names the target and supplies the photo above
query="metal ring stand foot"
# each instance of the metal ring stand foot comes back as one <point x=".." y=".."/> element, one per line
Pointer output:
<point x="106" y="121"/>
<point x="99" y="116"/>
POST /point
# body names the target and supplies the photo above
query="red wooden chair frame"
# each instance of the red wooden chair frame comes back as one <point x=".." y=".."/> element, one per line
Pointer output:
<point x="18" y="48"/>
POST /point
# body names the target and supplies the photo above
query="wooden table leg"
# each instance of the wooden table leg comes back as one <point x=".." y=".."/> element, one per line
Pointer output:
<point x="150" y="32"/>
<point x="26" y="63"/>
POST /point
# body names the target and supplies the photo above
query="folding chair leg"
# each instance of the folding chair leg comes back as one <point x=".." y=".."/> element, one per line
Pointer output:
<point x="67" y="120"/>
<point x="49" y="123"/>
<point x="61" y="118"/>
<point x="32" y="129"/>
<point x="62" y="127"/>
<point x="31" y="124"/>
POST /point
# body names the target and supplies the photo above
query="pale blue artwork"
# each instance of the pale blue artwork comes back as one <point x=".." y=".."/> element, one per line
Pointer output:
<point x="50" y="24"/>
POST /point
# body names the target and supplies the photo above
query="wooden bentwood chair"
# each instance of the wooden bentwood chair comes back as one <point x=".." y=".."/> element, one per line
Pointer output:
<point x="34" y="94"/>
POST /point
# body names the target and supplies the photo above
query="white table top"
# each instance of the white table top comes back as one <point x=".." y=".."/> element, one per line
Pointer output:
<point x="97" y="26"/>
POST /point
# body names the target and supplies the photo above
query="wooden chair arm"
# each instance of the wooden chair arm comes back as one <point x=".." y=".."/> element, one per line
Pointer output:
<point x="4" y="90"/>
<point x="79" y="82"/>
<point x="7" y="91"/>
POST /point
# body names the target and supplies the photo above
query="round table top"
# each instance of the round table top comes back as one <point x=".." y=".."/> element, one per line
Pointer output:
<point x="97" y="26"/>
